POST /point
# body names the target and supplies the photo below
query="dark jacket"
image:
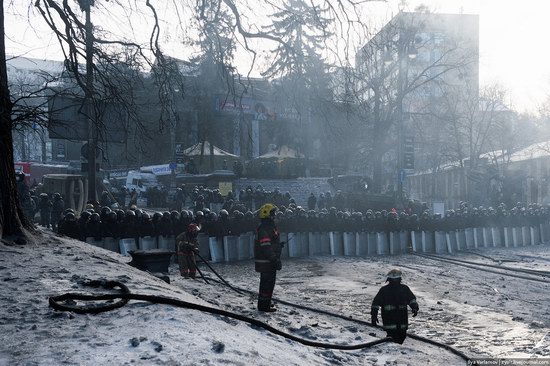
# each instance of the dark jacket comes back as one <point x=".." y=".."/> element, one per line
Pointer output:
<point x="393" y="300"/>
<point x="267" y="247"/>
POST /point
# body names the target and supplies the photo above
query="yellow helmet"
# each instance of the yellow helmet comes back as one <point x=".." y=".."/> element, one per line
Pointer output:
<point x="267" y="210"/>
<point x="394" y="274"/>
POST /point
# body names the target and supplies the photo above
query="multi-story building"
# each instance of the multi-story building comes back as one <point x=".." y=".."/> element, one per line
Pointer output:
<point x="407" y="74"/>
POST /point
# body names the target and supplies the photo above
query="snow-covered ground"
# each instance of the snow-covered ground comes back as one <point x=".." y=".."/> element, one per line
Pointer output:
<point x="481" y="314"/>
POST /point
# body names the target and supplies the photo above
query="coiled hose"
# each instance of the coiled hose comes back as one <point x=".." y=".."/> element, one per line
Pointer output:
<point x="125" y="295"/>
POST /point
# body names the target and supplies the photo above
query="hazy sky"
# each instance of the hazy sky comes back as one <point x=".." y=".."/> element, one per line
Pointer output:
<point x="514" y="46"/>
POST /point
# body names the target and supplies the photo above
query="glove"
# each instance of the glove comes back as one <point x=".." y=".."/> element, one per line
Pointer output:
<point x="283" y="244"/>
<point x="374" y="319"/>
<point x="278" y="265"/>
<point x="415" y="312"/>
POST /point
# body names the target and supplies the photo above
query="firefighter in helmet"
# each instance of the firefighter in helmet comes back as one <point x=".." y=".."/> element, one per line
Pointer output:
<point x="393" y="299"/>
<point x="187" y="246"/>
<point x="267" y="255"/>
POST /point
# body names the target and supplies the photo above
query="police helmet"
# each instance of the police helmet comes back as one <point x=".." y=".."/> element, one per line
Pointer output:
<point x="130" y="213"/>
<point x="69" y="210"/>
<point x="95" y="217"/>
<point x="85" y="215"/>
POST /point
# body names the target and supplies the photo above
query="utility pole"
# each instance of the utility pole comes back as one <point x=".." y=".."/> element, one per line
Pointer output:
<point x="86" y="5"/>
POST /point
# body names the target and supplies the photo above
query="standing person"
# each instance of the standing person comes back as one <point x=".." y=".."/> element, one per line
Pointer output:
<point x="45" y="207"/>
<point x="133" y="198"/>
<point x="311" y="202"/>
<point x="267" y="255"/>
<point x="393" y="298"/>
<point x="57" y="210"/>
<point x="187" y="246"/>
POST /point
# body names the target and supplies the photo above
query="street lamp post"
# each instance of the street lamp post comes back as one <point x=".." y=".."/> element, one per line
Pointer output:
<point x="86" y="5"/>
<point x="405" y="52"/>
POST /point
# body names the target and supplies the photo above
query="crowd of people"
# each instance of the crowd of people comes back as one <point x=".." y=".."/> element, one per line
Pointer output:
<point x="237" y="219"/>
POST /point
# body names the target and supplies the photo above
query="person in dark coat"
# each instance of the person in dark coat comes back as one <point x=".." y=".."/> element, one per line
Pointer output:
<point x="45" y="207"/>
<point x="267" y="255"/>
<point x="394" y="298"/>
<point x="57" y="210"/>
<point x="187" y="246"/>
<point x="311" y="202"/>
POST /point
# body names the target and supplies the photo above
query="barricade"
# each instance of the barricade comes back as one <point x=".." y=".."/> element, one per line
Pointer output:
<point x="204" y="245"/>
<point x="361" y="242"/>
<point x="325" y="243"/>
<point x="96" y="243"/>
<point x="167" y="242"/>
<point x="416" y="241"/>
<point x="535" y="235"/>
<point x="469" y="238"/>
<point x="428" y="242"/>
<point x="283" y="237"/>
<point x="298" y="243"/>
<point x="440" y="242"/>
<point x="395" y="244"/>
<point x="150" y="242"/>
<point x="543" y="232"/>
<point x="526" y="235"/>
<point x="127" y="245"/>
<point x="243" y="249"/>
<point x="336" y="243"/>
<point x="304" y="244"/>
<point x="450" y="241"/>
<point x="518" y="240"/>
<point x="111" y="244"/>
<point x="460" y="239"/>
<point x="215" y="245"/>
<point x="230" y="248"/>
<point x="508" y="237"/>
<point x="487" y="237"/>
<point x="314" y="242"/>
<point x="251" y="243"/>
<point x="350" y="247"/>
<point x="372" y="244"/>
<point x="497" y="238"/>
<point x="404" y="241"/>
<point x="293" y="245"/>
<point x="478" y="237"/>
<point x="382" y="244"/>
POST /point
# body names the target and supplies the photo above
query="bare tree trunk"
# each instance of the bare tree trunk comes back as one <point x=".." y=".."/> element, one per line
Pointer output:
<point x="12" y="219"/>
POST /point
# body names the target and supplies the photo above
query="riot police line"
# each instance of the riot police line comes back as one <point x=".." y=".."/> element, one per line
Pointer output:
<point x="229" y="236"/>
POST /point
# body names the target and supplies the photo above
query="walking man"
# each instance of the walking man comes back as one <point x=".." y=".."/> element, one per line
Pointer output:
<point x="393" y="298"/>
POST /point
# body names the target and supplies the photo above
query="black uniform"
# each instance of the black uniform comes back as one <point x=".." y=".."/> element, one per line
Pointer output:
<point x="393" y="299"/>
<point x="267" y="254"/>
